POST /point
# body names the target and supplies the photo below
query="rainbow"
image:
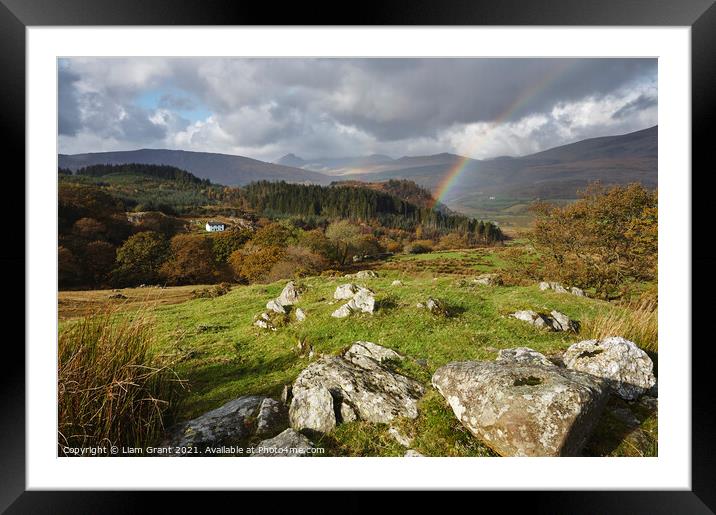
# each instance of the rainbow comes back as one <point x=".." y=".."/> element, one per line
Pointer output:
<point x="450" y="177"/>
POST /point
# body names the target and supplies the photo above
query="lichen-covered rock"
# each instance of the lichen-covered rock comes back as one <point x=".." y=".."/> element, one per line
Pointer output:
<point x="363" y="301"/>
<point x="272" y="418"/>
<point x="577" y="291"/>
<point x="488" y="280"/>
<point x="274" y="306"/>
<point x="412" y="453"/>
<point x="373" y="392"/>
<point x="312" y="408"/>
<point x="523" y="355"/>
<point x="231" y="423"/>
<point x="288" y="444"/>
<point x="264" y="322"/>
<point x="345" y="291"/>
<point x="523" y="409"/>
<point x="561" y="322"/>
<point x="300" y="315"/>
<point x="348" y="414"/>
<point x="289" y="294"/>
<point x="628" y="369"/>
<point x="364" y="274"/>
<point x="533" y="318"/>
<point x="559" y="288"/>
<point x="342" y="312"/>
<point x="371" y="350"/>
<point x="399" y="437"/>
<point x="286" y="394"/>
<point x="544" y="285"/>
<point x="436" y="307"/>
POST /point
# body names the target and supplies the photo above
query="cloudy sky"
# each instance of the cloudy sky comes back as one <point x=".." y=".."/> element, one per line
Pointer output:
<point x="265" y="108"/>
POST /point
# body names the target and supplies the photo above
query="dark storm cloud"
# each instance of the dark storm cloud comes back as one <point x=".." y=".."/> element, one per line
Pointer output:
<point x="324" y="107"/>
<point x="639" y="104"/>
<point x="69" y="114"/>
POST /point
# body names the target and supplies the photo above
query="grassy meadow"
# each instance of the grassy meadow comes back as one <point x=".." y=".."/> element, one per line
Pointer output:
<point x="221" y="355"/>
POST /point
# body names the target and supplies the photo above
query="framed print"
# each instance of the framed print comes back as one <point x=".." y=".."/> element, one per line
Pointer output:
<point x="462" y="235"/>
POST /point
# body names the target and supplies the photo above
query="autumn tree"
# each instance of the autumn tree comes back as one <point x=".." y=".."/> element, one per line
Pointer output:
<point x="68" y="267"/>
<point x="226" y="242"/>
<point x="191" y="261"/>
<point x="345" y="237"/>
<point x="98" y="258"/>
<point x="140" y="258"/>
<point x="254" y="262"/>
<point x="607" y="237"/>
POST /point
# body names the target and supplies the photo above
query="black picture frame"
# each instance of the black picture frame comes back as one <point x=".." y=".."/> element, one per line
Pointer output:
<point x="700" y="15"/>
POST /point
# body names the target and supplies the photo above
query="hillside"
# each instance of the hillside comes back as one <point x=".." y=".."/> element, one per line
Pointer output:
<point x="493" y="188"/>
<point x="143" y="187"/>
<point x="226" y="356"/>
<point x="218" y="168"/>
<point x="556" y="173"/>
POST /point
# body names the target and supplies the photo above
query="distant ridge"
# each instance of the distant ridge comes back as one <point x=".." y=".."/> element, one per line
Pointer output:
<point x="223" y="169"/>
<point x="556" y="173"/>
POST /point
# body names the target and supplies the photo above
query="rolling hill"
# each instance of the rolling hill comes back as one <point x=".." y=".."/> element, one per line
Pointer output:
<point x="482" y="186"/>
<point x="218" y="168"/>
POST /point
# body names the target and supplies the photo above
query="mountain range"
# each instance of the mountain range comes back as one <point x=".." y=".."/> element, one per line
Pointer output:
<point x="556" y="173"/>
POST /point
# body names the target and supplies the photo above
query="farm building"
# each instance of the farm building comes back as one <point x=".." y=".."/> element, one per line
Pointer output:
<point x="215" y="226"/>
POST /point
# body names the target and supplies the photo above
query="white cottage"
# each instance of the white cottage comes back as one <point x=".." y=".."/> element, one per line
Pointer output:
<point x="215" y="226"/>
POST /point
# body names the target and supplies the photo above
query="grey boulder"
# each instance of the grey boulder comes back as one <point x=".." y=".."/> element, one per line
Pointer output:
<point x="312" y="408"/>
<point x="523" y="355"/>
<point x="272" y="418"/>
<point x="345" y="291"/>
<point x="289" y="443"/>
<point x="352" y="386"/>
<point x="276" y="307"/>
<point x="523" y="409"/>
<point x="533" y="318"/>
<point x="628" y="370"/>
<point x="371" y="350"/>
<point x="488" y="280"/>
<point x="289" y="294"/>
<point x="229" y="424"/>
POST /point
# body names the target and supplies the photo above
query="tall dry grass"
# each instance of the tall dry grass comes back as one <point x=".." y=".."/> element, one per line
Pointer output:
<point x="112" y="388"/>
<point x="636" y="321"/>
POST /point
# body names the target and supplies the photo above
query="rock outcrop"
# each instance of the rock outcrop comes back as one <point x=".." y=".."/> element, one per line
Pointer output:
<point x="523" y="355"/>
<point x="523" y="409"/>
<point x="272" y="418"/>
<point x="556" y="321"/>
<point x="264" y="322"/>
<point x="533" y="318"/>
<point x="355" y="386"/>
<point x="231" y="423"/>
<point x="288" y="444"/>
<point x="488" y="280"/>
<point x="289" y="294"/>
<point x="362" y="300"/>
<point x="371" y="350"/>
<point x="363" y="274"/>
<point x="628" y="370"/>
<point x="345" y="291"/>
<point x="436" y="307"/>
<point x="557" y="287"/>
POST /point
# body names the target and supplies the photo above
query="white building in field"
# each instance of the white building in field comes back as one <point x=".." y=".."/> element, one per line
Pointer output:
<point x="215" y="226"/>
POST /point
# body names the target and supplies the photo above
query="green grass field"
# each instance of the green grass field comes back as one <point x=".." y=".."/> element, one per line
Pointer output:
<point x="225" y="356"/>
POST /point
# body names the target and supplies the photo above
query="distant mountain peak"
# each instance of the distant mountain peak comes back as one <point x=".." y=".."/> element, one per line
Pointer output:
<point x="292" y="159"/>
